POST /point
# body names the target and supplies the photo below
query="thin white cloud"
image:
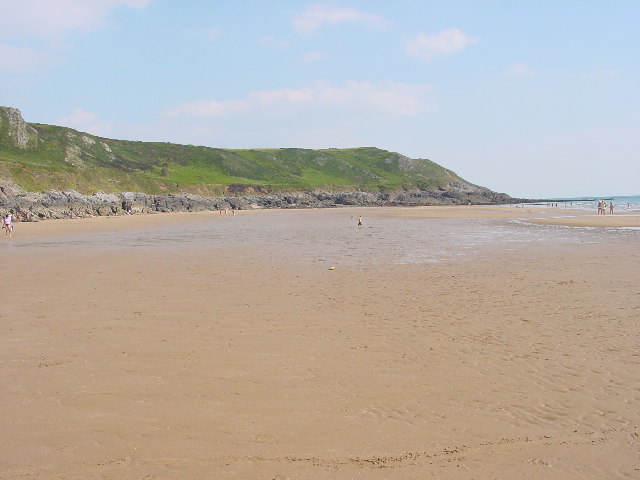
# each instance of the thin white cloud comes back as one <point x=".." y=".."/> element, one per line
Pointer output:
<point x="273" y="42"/>
<point x="212" y="33"/>
<point x="319" y="115"/>
<point x="352" y="98"/>
<point x="320" y="15"/>
<point x="20" y="59"/>
<point x="84" y="121"/>
<point x="53" y="19"/>
<point x="48" y="23"/>
<point x="600" y="74"/>
<point x="312" y="57"/>
<point x="427" y="47"/>
<point x="523" y="70"/>
<point x="77" y="117"/>
<point x="518" y="69"/>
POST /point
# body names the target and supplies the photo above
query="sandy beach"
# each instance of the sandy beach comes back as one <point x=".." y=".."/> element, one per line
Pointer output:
<point x="293" y="345"/>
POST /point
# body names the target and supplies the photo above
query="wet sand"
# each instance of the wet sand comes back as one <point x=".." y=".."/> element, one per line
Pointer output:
<point x="607" y="221"/>
<point x="238" y="361"/>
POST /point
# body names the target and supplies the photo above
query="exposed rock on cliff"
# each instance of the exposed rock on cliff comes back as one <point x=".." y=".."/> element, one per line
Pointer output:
<point x="22" y="134"/>
<point x="56" y="204"/>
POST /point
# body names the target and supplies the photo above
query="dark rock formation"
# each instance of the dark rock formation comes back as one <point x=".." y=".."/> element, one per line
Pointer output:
<point x="30" y="206"/>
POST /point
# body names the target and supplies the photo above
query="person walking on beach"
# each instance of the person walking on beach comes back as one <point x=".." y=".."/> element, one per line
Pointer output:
<point x="7" y="225"/>
<point x="359" y="221"/>
<point x="610" y="208"/>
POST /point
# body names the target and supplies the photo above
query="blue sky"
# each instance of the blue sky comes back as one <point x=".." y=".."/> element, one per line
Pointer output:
<point x="532" y="98"/>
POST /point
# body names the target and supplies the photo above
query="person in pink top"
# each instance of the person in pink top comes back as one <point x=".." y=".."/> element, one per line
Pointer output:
<point x="7" y="225"/>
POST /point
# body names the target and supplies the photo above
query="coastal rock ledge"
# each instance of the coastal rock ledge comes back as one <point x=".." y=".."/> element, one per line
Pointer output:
<point x="30" y="206"/>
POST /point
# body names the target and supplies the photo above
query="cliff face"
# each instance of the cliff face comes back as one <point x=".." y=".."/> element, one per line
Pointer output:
<point x="15" y="131"/>
<point x="70" y="166"/>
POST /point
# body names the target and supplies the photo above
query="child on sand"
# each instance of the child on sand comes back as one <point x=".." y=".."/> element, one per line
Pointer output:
<point x="7" y="225"/>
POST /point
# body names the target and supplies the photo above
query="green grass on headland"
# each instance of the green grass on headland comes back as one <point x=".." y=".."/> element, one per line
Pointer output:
<point x="42" y="157"/>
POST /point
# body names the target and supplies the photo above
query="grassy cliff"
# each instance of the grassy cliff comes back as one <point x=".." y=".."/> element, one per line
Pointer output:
<point x="40" y="157"/>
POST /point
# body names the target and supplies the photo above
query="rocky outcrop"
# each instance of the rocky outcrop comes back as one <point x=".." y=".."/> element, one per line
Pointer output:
<point x="30" y="206"/>
<point x="19" y="132"/>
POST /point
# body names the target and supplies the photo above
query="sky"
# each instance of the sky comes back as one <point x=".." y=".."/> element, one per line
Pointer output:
<point x="537" y="99"/>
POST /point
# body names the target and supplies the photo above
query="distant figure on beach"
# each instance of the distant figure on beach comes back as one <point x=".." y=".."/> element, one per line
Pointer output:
<point x="601" y="206"/>
<point x="360" y="221"/>
<point x="6" y="223"/>
<point x="610" y="208"/>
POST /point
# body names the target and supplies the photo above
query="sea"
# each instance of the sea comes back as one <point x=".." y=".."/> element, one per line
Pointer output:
<point x="621" y="203"/>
